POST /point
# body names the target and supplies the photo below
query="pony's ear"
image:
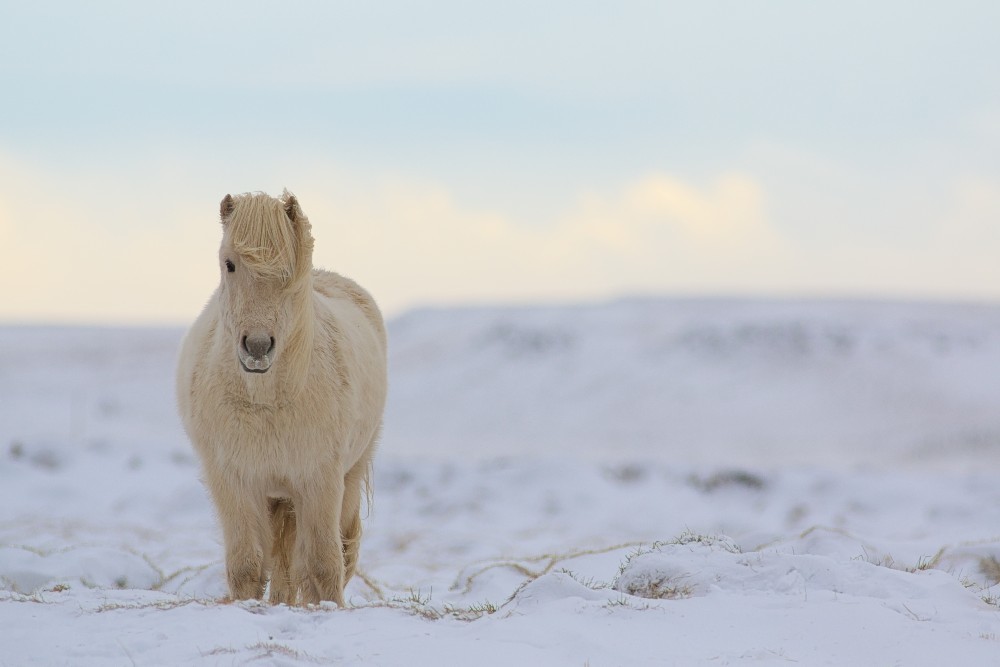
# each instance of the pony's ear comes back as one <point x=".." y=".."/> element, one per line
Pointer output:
<point x="226" y="207"/>
<point x="291" y="204"/>
<point x="303" y="230"/>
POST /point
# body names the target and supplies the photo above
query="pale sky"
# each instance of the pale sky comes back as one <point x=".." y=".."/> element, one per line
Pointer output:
<point x="458" y="152"/>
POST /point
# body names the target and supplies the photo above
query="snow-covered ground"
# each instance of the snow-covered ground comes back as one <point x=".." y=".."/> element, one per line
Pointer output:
<point x="634" y="483"/>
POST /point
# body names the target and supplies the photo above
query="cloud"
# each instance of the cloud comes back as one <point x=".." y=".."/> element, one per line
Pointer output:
<point x="729" y="211"/>
<point x="972" y="216"/>
<point x="77" y="249"/>
<point x="145" y="250"/>
<point x="661" y="216"/>
<point x="962" y="255"/>
<point x="416" y="243"/>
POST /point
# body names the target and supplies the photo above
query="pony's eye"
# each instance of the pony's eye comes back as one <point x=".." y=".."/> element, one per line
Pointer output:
<point x="230" y="266"/>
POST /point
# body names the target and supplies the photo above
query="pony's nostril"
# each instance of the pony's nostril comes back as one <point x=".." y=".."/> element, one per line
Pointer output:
<point x="243" y="344"/>
<point x="258" y="345"/>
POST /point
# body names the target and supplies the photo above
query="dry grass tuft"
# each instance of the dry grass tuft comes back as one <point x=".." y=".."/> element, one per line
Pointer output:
<point x="989" y="566"/>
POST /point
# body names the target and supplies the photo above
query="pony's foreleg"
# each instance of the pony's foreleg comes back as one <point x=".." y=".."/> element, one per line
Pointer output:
<point x="319" y="558"/>
<point x="283" y="535"/>
<point x="244" y="525"/>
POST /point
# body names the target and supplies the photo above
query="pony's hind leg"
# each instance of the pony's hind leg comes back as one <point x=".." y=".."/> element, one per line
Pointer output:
<point x="283" y="534"/>
<point x="350" y="518"/>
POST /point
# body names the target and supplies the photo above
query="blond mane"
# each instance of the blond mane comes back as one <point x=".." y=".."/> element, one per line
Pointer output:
<point x="261" y="233"/>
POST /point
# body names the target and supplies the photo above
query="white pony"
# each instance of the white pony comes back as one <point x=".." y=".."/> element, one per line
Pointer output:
<point x="281" y="385"/>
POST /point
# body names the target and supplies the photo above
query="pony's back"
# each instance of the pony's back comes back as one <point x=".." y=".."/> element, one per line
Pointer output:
<point x="335" y="286"/>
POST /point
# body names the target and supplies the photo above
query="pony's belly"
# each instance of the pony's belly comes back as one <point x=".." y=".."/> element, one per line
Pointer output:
<point x="278" y="489"/>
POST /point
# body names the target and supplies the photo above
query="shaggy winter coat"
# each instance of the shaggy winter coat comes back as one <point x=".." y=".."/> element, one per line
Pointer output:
<point x="281" y="385"/>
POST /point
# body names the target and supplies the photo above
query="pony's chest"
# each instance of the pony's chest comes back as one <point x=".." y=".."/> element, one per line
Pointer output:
<point x="266" y="423"/>
<point x="238" y="425"/>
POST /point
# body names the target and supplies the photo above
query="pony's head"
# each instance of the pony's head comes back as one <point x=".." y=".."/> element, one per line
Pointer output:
<point x="265" y="261"/>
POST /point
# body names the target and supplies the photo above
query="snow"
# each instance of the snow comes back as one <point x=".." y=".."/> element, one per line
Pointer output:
<point x="668" y="482"/>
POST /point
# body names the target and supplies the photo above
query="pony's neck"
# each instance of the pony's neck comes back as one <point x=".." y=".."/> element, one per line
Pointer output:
<point x="298" y="352"/>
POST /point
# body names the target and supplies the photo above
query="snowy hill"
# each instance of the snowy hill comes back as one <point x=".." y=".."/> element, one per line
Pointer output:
<point x="658" y="482"/>
<point x="715" y="381"/>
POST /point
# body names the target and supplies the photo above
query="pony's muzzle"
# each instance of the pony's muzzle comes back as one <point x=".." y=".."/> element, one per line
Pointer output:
<point x="256" y="352"/>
